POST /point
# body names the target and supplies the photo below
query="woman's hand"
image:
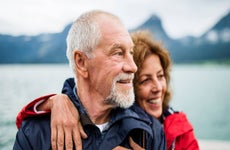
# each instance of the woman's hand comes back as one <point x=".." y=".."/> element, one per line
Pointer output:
<point x="65" y="123"/>
<point x="132" y="144"/>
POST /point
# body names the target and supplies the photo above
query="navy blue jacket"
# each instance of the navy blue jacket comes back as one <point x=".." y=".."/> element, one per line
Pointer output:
<point x="35" y="132"/>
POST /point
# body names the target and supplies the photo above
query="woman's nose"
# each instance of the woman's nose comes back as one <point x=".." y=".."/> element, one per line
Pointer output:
<point x="156" y="86"/>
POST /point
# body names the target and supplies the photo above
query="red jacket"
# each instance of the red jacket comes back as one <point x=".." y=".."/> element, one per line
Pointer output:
<point x="178" y="129"/>
<point x="28" y="110"/>
<point x="176" y="126"/>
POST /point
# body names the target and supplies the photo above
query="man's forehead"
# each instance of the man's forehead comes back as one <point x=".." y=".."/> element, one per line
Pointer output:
<point x="117" y="37"/>
<point x="124" y="43"/>
<point x="114" y="33"/>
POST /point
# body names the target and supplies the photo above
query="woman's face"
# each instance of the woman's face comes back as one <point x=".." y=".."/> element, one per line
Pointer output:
<point x="151" y="86"/>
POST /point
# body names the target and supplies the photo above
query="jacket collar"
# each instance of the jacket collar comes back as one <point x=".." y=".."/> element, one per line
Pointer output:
<point x="116" y="114"/>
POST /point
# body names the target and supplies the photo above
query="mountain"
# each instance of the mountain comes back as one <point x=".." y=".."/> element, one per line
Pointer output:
<point x="43" y="48"/>
<point x="25" y="49"/>
<point x="213" y="45"/>
<point x="154" y="25"/>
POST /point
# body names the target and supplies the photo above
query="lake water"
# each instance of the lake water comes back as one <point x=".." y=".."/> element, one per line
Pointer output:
<point x="201" y="91"/>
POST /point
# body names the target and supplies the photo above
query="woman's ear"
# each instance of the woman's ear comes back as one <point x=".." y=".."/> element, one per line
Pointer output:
<point x="80" y="60"/>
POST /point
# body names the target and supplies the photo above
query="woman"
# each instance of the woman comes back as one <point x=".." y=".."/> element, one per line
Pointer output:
<point x="152" y="93"/>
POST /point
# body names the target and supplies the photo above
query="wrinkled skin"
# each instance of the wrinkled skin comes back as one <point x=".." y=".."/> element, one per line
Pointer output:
<point x="65" y="124"/>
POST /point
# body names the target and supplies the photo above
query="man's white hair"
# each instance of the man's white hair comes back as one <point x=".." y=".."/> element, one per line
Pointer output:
<point x="84" y="35"/>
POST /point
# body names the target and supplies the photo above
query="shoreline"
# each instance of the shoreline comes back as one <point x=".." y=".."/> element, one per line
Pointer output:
<point x="214" y="145"/>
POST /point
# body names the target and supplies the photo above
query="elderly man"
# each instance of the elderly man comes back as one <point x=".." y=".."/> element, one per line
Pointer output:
<point x="99" y="49"/>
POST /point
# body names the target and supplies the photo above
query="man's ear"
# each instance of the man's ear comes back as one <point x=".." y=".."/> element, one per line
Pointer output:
<point x="80" y="60"/>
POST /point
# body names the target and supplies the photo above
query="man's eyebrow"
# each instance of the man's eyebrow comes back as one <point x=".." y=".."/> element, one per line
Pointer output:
<point x="119" y="45"/>
<point x="116" y="45"/>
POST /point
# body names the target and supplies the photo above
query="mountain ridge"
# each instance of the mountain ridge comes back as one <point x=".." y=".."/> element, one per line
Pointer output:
<point x="213" y="45"/>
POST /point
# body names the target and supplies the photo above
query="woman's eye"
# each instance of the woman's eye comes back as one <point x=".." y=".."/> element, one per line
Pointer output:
<point x="161" y="76"/>
<point x="143" y="81"/>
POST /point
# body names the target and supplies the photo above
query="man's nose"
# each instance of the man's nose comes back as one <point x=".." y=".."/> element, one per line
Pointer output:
<point x="130" y="65"/>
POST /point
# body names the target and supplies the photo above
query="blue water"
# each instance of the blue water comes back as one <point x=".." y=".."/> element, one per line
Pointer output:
<point x="201" y="91"/>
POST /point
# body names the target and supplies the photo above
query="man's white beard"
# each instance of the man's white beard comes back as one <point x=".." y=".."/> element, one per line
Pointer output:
<point x="122" y="99"/>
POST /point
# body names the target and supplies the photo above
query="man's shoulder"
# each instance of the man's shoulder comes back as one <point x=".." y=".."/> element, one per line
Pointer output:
<point x="154" y="128"/>
<point x="143" y="115"/>
<point x="34" y="133"/>
<point x="40" y="119"/>
<point x="37" y="125"/>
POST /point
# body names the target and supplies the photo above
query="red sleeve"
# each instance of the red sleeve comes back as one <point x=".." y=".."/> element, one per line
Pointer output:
<point x="187" y="141"/>
<point x="28" y="110"/>
<point x="177" y="127"/>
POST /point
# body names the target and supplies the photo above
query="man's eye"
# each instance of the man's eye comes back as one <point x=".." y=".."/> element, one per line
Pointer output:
<point x="131" y="52"/>
<point x="118" y="52"/>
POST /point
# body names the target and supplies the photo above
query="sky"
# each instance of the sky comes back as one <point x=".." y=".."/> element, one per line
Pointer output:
<point x="179" y="17"/>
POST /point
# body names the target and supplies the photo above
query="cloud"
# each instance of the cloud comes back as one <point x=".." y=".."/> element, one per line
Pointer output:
<point x="179" y="17"/>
